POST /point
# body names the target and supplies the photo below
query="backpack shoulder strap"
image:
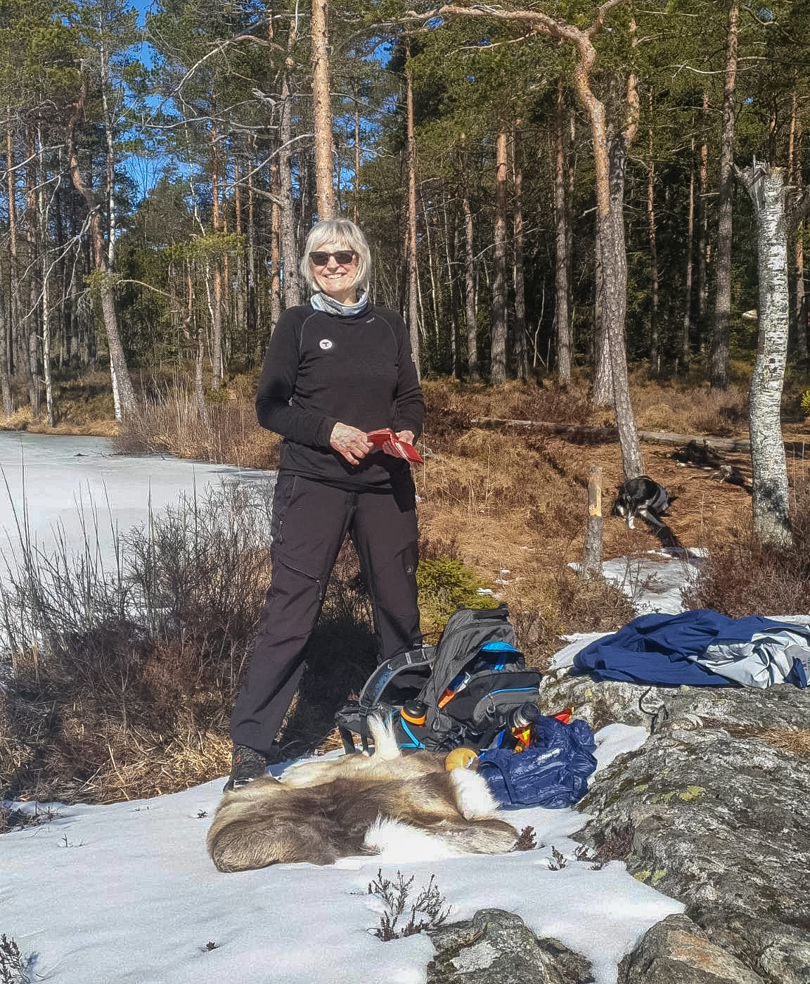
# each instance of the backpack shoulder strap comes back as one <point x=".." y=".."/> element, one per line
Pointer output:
<point x="385" y="673"/>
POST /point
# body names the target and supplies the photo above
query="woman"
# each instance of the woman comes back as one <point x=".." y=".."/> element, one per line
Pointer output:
<point x="336" y="369"/>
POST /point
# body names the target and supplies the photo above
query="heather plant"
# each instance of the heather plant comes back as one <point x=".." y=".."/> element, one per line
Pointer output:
<point x="14" y="967"/>
<point x="744" y="577"/>
<point x="428" y="908"/>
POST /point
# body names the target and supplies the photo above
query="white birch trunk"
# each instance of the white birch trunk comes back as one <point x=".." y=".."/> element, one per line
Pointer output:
<point x="771" y="517"/>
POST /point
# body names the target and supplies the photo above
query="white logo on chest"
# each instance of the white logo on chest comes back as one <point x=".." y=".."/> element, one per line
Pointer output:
<point x="326" y="343"/>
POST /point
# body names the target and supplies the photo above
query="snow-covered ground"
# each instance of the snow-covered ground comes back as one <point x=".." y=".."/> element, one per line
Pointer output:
<point x="126" y="893"/>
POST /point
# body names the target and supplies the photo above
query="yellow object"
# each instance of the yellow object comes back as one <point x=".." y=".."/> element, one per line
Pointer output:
<point x="460" y="758"/>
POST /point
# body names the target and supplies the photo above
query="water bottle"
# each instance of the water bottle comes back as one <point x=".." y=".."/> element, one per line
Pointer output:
<point x="414" y="711"/>
<point x="519" y="722"/>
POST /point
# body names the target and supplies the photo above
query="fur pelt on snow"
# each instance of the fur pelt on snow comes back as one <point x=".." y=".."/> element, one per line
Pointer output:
<point x="356" y="804"/>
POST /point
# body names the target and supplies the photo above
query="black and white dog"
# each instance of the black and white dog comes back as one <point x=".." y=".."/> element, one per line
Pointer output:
<point x="642" y="497"/>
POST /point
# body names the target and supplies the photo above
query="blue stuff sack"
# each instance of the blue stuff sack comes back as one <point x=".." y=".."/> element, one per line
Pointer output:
<point x="552" y="772"/>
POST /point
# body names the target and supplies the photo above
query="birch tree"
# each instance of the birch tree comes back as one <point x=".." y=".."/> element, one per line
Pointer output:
<point x="103" y="279"/>
<point x="767" y="189"/>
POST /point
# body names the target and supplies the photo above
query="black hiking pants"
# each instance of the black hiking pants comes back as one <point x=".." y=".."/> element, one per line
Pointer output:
<point x="310" y="521"/>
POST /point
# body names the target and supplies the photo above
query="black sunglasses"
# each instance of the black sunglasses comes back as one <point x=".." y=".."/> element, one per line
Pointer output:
<point x="343" y="257"/>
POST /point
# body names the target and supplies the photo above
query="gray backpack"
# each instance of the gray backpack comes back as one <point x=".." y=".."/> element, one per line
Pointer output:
<point x="459" y="692"/>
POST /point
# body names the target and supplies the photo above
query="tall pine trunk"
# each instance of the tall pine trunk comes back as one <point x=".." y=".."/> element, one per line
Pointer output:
<point x="610" y="154"/>
<point x="322" y="112"/>
<point x="562" y="290"/>
<point x="216" y="301"/>
<point x="519" y="346"/>
<point x="686" y="349"/>
<point x="30" y="357"/>
<point x="43" y="211"/>
<point x="702" y="285"/>
<point x="499" y="324"/>
<point x="469" y="285"/>
<point x="722" y="309"/>
<point x="289" y="246"/>
<point x="413" y="273"/>
<point x="653" y="242"/>
<point x="15" y="327"/>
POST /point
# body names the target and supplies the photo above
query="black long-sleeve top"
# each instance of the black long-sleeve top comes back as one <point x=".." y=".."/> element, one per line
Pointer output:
<point x="321" y="369"/>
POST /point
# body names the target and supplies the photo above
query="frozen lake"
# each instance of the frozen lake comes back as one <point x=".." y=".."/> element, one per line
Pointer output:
<point x="76" y="483"/>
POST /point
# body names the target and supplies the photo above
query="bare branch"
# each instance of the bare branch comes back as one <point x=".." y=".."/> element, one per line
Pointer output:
<point x="603" y="11"/>
<point x="540" y="22"/>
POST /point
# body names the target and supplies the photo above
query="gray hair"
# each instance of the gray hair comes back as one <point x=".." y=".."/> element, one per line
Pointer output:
<point x="346" y="234"/>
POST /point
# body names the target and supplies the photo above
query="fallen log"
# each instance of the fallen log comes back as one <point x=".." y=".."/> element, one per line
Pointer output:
<point x="609" y="434"/>
<point x="575" y="431"/>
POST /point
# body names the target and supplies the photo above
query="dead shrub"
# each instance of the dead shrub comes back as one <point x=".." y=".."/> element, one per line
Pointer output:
<point x="689" y="406"/>
<point x="745" y="578"/>
<point x="112" y="675"/>
<point x="18" y="817"/>
<point x="617" y="843"/>
<point x="170" y="422"/>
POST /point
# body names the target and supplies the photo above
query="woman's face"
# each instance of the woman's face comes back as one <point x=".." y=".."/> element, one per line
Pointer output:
<point x="333" y="278"/>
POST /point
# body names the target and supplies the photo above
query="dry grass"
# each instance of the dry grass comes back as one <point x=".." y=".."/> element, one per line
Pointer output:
<point x="90" y="428"/>
<point x="684" y="408"/>
<point x="21" y="419"/>
<point x="796" y="741"/>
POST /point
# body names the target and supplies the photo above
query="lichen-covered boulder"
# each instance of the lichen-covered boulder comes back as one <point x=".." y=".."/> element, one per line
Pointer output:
<point x="711" y="810"/>
<point x="676" y="951"/>
<point x="497" y="947"/>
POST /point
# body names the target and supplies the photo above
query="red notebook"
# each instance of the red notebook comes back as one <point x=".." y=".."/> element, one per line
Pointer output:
<point x="407" y="451"/>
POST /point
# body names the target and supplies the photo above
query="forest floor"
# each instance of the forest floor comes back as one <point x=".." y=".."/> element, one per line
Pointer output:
<point x="509" y="503"/>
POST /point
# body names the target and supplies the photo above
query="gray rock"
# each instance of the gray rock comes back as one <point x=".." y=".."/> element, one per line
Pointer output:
<point x="496" y="947"/>
<point x="676" y="951"/>
<point x="709" y="811"/>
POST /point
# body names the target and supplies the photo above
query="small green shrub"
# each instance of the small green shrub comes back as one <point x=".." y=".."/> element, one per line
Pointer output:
<point x="805" y="400"/>
<point x="444" y="584"/>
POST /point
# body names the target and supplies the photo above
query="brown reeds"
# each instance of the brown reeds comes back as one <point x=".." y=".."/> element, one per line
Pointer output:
<point x="172" y="422"/>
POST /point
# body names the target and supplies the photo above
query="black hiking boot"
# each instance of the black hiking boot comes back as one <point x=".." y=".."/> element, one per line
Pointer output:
<point x="248" y="764"/>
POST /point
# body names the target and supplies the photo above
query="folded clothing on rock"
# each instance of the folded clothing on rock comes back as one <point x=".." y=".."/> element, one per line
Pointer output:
<point x="701" y="648"/>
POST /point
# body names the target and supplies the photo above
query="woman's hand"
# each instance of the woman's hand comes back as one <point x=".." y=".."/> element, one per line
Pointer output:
<point x="404" y="437"/>
<point x="350" y="442"/>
